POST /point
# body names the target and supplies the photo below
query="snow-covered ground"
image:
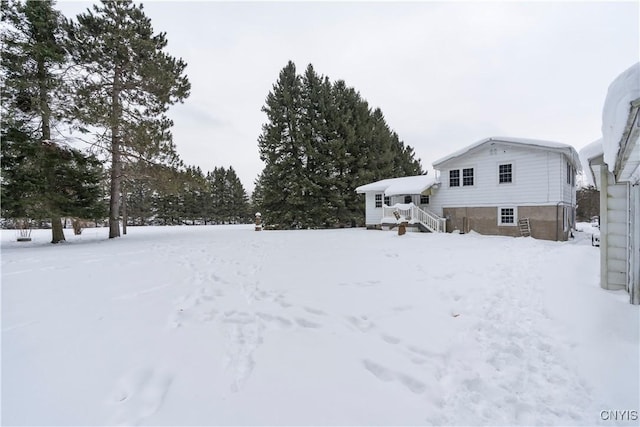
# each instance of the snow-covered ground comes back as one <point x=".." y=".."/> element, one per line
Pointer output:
<point x="222" y="325"/>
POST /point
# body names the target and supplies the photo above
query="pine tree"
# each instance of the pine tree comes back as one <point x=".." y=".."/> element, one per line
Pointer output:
<point x="166" y="201"/>
<point x="216" y="183"/>
<point x="318" y="159"/>
<point x="42" y="177"/>
<point x="238" y="201"/>
<point x="320" y="142"/>
<point x="588" y="203"/>
<point x="141" y="181"/>
<point x="126" y="84"/>
<point x="281" y="150"/>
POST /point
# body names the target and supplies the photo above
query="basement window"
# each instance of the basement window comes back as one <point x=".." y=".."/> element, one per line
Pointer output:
<point x="507" y="216"/>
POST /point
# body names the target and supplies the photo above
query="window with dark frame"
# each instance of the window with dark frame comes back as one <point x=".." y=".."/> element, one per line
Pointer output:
<point x="454" y="178"/>
<point x="505" y="173"/>
<point x="424" y="200"/>
<point x="467" y="176"/>
<point x="408" y="199"/>
<point x="568" y="173"/>
<point x="387" y="200"/>
<point x="378" y="200"/>
<point x="507" y="216"/>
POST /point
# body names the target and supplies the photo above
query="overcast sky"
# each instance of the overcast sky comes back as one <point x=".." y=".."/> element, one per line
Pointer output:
<point x="445" y="74"/>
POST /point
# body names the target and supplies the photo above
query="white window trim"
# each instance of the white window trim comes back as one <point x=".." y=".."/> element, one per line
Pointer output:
<point x="515" y="216"/>
<point x="513" y="172"/>
<point x="474" y="177"/>
<point x="461" y="178"/>
<point x="375" y="200"/>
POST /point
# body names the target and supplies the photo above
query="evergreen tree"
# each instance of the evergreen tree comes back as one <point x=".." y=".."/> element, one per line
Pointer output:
<point x="126" y="84"/>
<point x="218" y="193"/>
<point x="318" y="176"/>
<point x="320" y="142"/>
<point x="141" y="182"/>
<point x="166" y="201"/>
<point x="42" y="178"/>
<point x="238" y="201"/>
<point x="587" y="203"/>
<point x="281" y="149"/>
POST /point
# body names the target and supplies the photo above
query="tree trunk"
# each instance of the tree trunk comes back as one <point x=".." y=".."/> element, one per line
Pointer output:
<point x="57" y="233"/>
<point x="56" y="229"/>
<point x="116" y="165"/>
<point x="114" y="201"/>
<point x="124" y="210"/>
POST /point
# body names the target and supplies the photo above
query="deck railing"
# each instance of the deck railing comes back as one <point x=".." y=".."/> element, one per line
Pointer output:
<point x="413" y="214"/>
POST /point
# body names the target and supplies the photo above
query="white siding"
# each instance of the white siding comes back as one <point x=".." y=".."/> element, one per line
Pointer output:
<point x="373" y="215"/>
<point x="568" y="190"/>
<point x="539" y="178"/>
<point x="615" y="241"/>
<point x="634" y="246"/>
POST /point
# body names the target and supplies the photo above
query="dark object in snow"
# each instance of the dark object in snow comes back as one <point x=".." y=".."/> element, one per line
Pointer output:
<point x="402" y="228"/>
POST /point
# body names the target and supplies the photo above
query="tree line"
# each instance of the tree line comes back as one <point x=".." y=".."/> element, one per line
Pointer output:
<point x="107" y="77"/>
<point x="321" y="141"/>
<point x="186" y="197"/>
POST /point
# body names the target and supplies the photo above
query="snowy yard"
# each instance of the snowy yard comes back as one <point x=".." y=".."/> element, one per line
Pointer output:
<point x="222" y="325"/>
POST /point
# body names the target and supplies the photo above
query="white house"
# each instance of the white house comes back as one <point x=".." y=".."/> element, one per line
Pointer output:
<point x="614" y="163"/>
<point x="499" y="185"/>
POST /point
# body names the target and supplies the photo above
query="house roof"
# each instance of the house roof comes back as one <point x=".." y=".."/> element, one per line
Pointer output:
<point x="587" y="154"/>
<point x="396" y="186"/>
<point x="536" y="143"/>
<point x="624" y="90"/>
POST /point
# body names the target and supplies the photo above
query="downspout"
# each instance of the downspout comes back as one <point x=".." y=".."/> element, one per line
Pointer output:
<point x="548" y="179"/>
<point x="557" y="221"/>
<point x="628" y="241"/>
<point x="604" y="225"/>
<point x="634" y="297"/>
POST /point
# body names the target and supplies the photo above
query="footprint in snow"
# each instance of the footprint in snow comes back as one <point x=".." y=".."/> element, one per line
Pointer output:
<point x="314" y="311"/>
<point x="386" y="375"/>
<point x="362" y="323"/>
<point x="139" y="395"/>
<point x="306" y="323"/>
<point x="390" y="339"/>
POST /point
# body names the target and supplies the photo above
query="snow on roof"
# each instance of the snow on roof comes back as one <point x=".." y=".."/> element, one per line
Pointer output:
<point x="395" y="186"/>
<point x="587" y="153"/>
<point x="617" y="105"/>
<point x="573" y="155"/>
<point x="591" y="151"/>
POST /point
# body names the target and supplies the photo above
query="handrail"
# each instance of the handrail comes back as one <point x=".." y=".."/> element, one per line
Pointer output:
<point x="413" y="213"/>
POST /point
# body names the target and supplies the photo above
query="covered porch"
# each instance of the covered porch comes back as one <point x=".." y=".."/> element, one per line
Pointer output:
<point x="408" y="196"/>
